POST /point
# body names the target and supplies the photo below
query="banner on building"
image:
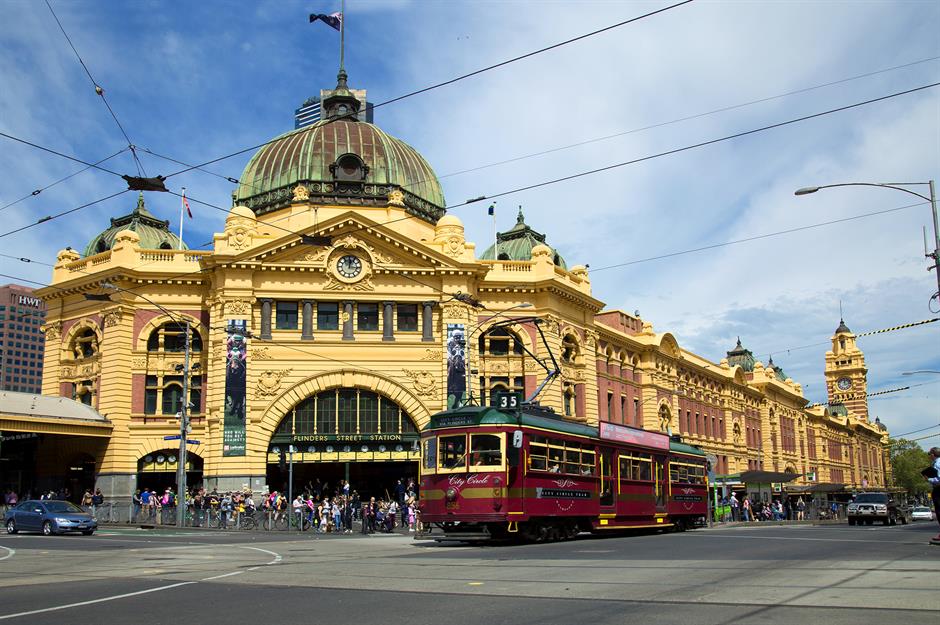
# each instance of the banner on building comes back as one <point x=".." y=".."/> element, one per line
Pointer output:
<point x="456" y="365"/>
<point x="236" y="351"/>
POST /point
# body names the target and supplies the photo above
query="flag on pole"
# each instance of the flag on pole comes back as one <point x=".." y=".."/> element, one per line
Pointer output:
<point x="491" y="210"/>
<point x="333" y="20"/>
<point x="186" y="204"/>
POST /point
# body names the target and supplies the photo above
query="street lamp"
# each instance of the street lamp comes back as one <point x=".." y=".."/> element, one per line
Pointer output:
<point x="900" y="186"/>
<point x="468" y="345"/>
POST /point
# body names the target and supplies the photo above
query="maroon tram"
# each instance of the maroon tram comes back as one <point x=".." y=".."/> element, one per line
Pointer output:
<point x="530" y="475"/>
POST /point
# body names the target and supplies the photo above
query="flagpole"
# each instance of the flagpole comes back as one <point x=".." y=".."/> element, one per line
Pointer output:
<point x="495" y="235"/>
<point x="342" y="33"/>
<point x="182" y="203"/>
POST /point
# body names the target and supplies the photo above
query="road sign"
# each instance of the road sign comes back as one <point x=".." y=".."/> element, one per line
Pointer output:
<point x="174" y="437"/>
<point x="191" y="441"/>
<point x="508" y="400"/>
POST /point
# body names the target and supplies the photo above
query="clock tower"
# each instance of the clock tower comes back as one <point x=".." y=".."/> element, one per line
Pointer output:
<point x="846" y="374"/>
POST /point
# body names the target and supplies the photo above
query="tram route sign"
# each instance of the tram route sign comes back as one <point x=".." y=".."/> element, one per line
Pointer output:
<point x="508" y="400"/>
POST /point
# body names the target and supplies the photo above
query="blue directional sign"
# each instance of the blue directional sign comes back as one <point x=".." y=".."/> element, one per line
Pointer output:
<point x="191" y="441"/>
<point x="174" y="437"/>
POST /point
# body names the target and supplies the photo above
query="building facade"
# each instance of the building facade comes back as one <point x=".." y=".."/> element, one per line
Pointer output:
<point x="341" y="306"/>
<point x="22" y="316"/>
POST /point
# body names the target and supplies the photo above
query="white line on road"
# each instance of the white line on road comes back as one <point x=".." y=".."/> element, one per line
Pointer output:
<point x="825" y="540"/>
<point x="277" y="556"/>
<point x="10" y="554"/>
<point x="207" y="579"/>
<point x="93" y="601"/>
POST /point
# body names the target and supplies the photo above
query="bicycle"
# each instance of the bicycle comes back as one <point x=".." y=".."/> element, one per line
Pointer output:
<point x="291" y="520"/>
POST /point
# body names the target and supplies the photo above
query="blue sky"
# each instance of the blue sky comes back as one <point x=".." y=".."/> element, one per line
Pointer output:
<point x="194" y="81"/>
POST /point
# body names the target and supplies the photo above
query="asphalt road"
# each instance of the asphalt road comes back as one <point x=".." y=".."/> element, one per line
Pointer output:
<point x="758" y="574"/>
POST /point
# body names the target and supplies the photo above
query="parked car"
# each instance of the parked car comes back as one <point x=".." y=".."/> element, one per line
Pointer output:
<point x="49" y="517"/>
<point x="922" y="513"/>
<point x="870" y="507"/>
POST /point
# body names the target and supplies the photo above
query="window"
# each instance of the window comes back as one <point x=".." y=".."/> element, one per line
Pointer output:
<point x="286" y="316"/>
<point x="172" y="337"/>
<point x="636" y="467"/>
<point x="452" y="451"/>
<point x="686" y="473"/>
<point x="368" y="317"/>
<point x="486" y="450"/>
<point x="559" y="456"/>
<point x="167" y="392"/>
<point x="347" y="411"/>
<point x="328" y="316"/>
<point x="84" y="345"/>
<point x="407" y="317"/>
<point x="429" y="453"/>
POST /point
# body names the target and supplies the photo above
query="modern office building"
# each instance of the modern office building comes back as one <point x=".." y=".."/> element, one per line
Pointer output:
<point x="22" y="316"/>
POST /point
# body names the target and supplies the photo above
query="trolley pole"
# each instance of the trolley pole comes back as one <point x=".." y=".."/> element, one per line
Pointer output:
<point x="184" y="427"/>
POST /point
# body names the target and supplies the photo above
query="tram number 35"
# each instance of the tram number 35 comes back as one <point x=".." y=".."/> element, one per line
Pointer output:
<point x="508" y="401"/>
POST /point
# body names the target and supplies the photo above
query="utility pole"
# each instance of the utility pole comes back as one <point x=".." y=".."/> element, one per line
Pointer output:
<point x="184" y="432"/>
<point x="290" y="486"/>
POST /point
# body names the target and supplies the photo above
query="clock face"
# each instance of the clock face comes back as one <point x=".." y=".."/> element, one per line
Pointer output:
<point x="349" y="266"/>
<point x="844" y="384"/>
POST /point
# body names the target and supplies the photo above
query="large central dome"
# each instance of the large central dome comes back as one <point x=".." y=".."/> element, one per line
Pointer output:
<point x="340" y="160"/>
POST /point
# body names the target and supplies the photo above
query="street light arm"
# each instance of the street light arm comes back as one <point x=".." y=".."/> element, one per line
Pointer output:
<point x="808" y="190"/>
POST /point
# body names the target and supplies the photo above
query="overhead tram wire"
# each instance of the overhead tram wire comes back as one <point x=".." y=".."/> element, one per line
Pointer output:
<point x="596" y="139"/>
<point x="457" y="79"/>
<point x="60" y="180"/>
<point x="693" y="146"/>
<point x="100" y="91"/>
<point x="57" y="153"/>
<point x="63" y="213"/>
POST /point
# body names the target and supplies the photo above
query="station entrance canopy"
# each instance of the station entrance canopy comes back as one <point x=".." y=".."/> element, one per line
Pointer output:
<point x="26" y="413"/>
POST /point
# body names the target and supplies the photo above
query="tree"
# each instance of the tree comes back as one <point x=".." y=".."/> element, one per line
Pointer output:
<point x="908" y="459"/>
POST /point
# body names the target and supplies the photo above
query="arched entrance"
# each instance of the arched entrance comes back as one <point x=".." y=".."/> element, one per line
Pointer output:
<point x="157" y="470"/>
<point x="350" y="433"/>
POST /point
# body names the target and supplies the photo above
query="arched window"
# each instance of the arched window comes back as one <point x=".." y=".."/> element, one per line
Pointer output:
<point x="502" y="364"/>
<point x="166" y="246"/>
<point x="101" y="247"/>
<point x="166" y="392"/>
<point x="344" y="414"/>
<point x="171" y="337"/>
<point x="85" y="344"/>
<point x="349" y="167"/>
<point x="570" y="349"/>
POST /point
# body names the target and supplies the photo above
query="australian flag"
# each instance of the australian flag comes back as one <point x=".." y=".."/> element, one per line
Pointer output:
<point x="334" y="20"/>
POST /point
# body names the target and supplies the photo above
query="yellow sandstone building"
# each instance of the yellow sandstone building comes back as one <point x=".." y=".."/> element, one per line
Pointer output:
<point x="336" y="296"/>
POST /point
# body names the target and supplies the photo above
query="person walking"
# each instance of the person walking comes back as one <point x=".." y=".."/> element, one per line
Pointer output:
<point x="735" y="509"/>
<point x="96" y="501"/>
<point x="932" y="474"/>
<point x="136" y="505"/>
<point x="746" y="508"/>
<point x="86" y="500"/>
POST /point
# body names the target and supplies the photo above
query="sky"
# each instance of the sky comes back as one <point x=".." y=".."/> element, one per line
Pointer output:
<point x="196" y="81"/>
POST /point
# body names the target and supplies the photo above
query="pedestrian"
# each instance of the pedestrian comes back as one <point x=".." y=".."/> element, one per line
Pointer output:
<point x="800" y="509"/>
<point x="136" y="504"/>
<point x="932" y="473"/>
<point x="735" y="511"/>
<point x="746" y="509"/>
<point x="86" y="500"/>
<point x="96" y="500"/>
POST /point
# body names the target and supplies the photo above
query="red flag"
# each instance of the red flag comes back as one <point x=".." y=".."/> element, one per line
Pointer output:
<point x="186" y="204"/>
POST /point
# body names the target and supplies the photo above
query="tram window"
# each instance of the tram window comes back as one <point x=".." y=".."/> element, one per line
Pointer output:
<point x="686" y="473"/>
<point x="452" y="451"/>
<point x="572" y="461"/>
<point x="485" y="450"/>
<point x="638" y="468"/>
<point x="429" y="455"/>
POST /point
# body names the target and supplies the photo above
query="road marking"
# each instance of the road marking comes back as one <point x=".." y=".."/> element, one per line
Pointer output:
<point x="277" y="557"/>
<point x="474" y="583"/>
<point x="10" y="552"/>
<point x="206" y="579"/>
<point x="93" y="601"/>
<point x="825" y="540"/>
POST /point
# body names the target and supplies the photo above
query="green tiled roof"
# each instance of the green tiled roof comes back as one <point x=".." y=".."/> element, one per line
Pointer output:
<point x="154" y="233"/>
<point x="741" y="356"/>
<point x="517" y="244"/>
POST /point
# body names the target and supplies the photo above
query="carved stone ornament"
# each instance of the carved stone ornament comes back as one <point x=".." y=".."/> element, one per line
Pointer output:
<point x="171" y="365"/>
<point x="112" y="318"/>
<point x="454" y="246"/>
<point x="456" y="311"/>
<point x="238" y="307"/>
<point x="269" y="382"/>
<point x="363" y="284"/>
<point x="53" y="331"/>
<point x="66" y="372"/>
<point x="424" y="382"/>
<point x="571" y="374"/>
<point x="259" y="353"/>
<point x="301" y="194"/>
<point x="495" y="367"/>
<point x="316" y="257"/>
<point x="396" y="198"/>
<point x="591" y="337"/>
<point x="239" y="238"/>
<point x="552" y="324"/>
<point x="432" y="354"/>
<point x="139" y="363"/>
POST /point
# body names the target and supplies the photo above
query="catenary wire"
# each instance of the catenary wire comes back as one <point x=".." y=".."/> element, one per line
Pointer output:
<point x="60" y="180"/>
<point x="453" y="80"/>
<point x="57" y="153"/>
<point x="100" y="91"/>
<point x="693" y="146"/>
<point x="63" y="213"/>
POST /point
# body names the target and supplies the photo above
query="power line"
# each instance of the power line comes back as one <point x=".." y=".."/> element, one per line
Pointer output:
<point x="63" y="213"/>
<point x="756" y="238"/>
<point x="870" y="333"/>
<point x="99" y="90"/>
<point x="929" y="427"/>
<point x="60" y="180"/>
<point x="692" y="147"/>
<point x="453" y="80"/>
<point x="57" y="153"/>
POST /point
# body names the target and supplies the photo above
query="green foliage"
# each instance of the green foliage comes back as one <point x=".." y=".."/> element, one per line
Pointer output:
<point x="908" y="459"/>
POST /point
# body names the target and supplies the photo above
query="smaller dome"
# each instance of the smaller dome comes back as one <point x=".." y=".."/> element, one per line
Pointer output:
<point x="843" y="329"/>
<point x="519" y="242"/>
<point x="241" y="211"/>
<point x="449" y="220"/>
<point x="154" y="233"/>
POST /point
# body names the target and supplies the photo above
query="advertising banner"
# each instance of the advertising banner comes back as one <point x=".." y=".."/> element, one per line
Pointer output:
<point x="456" y="365"/>
<point x="233" y="428"/>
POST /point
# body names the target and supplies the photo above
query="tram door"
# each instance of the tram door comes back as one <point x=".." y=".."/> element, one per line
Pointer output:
<point x="660" y="482"/>
<point x="607" y="477"/>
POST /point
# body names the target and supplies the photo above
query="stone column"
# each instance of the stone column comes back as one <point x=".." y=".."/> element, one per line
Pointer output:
<point x="307" y="320"/>
<point x="388" y="331"/>
<point x="265" y="318"/>
<point x="348" y="321"/>
<point x="427" y="322"/>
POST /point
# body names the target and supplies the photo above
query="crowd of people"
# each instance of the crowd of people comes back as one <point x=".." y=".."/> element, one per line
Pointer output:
<point x="779" y="509"/>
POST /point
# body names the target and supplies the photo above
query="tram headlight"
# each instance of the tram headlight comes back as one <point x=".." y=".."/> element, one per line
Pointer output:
<point x="451" y="494"/>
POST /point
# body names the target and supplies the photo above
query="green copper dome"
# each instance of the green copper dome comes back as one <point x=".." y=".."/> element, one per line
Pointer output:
<point x="340" y="160"/>
<point x="154" y="233"/>
<point x="517" y="244"/>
